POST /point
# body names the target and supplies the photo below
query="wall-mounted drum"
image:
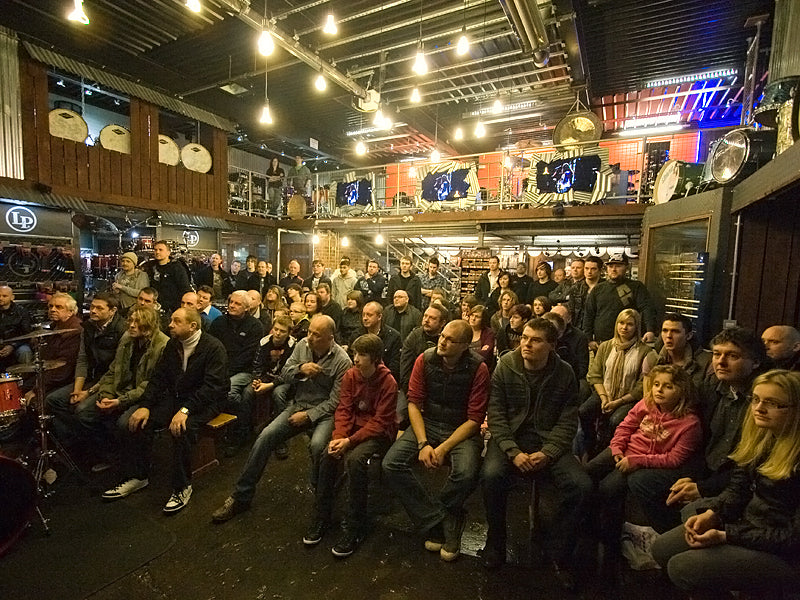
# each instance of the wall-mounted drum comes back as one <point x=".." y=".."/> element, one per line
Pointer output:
<point x="675" y="180"/>
<point x="296" y="208"/>
<point x="788" y="126"/>
<point x="196" y="158"/>
<point x="168" y="151"/>
<point x="740" y="153"/>
<point x="116" y="138"/>
<point x="68" y="124"/>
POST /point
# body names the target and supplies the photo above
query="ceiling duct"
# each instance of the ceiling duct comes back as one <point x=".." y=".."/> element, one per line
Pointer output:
<point x="527" y="22"/>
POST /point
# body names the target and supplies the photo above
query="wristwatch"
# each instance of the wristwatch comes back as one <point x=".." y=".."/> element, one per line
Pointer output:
<point x="184" y="410"/>
<point x="421" y="445"/>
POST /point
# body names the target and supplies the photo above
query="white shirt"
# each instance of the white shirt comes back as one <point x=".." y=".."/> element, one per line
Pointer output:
<point x="189" y="345"/>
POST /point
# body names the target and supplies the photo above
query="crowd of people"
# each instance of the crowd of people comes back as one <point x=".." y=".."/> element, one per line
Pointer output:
<point x="572" y="379"/>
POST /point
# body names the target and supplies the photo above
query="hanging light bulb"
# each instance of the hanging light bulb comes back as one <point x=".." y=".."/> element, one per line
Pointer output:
<point x="265" y="43"/>
<point x="480" y="130"/>
<point x="387" y="123"/>
<point x="412" y="172"/>
<point x="377" y="121"/>
<point x="361" y="148"/>
<point x="266" y="117"/>
<point x="345" y="242"/>
<point x="459" y="134"/>
<point x="330" y="25"/>
<point x="315" y="239"/>
<point x="507" y="162"/>
<point x="436" y="156"/>
<point x="193" y="5"/>
<point x="379" y="239"/>
<point x="463" y="43"/>
<point x="497" y="107"/>
<point x="78" y="15"/>
<point x="415" y="97"/>
<point x="420" y="64"/>
<point x="320" y="83"/>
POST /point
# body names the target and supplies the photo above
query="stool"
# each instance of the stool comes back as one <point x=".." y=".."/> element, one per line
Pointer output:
<point x="534" y="523"/>
<point x="204" y="455"/>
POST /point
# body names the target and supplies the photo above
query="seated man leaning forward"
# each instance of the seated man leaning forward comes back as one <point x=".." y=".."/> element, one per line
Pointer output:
<point x="447" y="397"/>
<point x="364" y="426"/>
<point x="189" y="384"/>
<point x="316" y="368"/>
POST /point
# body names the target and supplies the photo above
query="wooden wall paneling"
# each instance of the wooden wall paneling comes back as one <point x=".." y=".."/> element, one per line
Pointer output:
<point x="792" y="258"/>
<point x="105" y="171"/>
<point x="773" y="289"/>
<point x="70" y="164"/>
<point x="82" y="166"/>
<point x="180" y="183"/>
<point x="28" y="98"/>
<point x="125" y="174"/>
<point x="41" y="110"/>
<point x="172" y="184"/>
<point x="136" y="149"/>
<point x="205" y="179"/>
<point x="219" y="192"/>
<point x="152" y="148"/>
<point x="143" y="125"/>
<point x="194" y="190"/>
<point x="751" y="264"/>
<point x="94" y="168"/>
<point x="56" y="161"/>
<point x="115" y="174"/>
<point x="163" y="184"/>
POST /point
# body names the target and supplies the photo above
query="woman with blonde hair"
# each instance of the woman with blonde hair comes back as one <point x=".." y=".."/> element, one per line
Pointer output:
<point x="748" y="538"/>
<point x="273" y="300"/>
<point x="508" y="300"/>
<point x="616" y="374"/>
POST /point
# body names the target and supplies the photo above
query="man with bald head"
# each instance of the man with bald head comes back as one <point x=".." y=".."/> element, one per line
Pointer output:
<point x="186" y="389"/>
<point x="402" y="315"/>
<point x="782" y="343"/>
<point x="189" y="300"/>
<point x="315" y="372"/>
<point x="14" y="321"/>
<point x="447" y="396"/>
<point x="262" y="316"/>
<point x="372" y="322"/>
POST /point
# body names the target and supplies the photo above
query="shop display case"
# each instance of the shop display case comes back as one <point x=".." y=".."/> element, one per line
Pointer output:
<point x="473" y="263"/>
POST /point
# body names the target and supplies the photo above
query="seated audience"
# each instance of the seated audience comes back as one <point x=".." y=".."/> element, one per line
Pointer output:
<point x="782" y="344"/>
<point x="677" y="335"/>
<point x="372" y="322"/>
<point x="14" y="321"/>
<point x="273" y="300"/>
<point x="616" y="374"/>
<point x="468" y="302"/>
<point x="204" y="306"/>
<point x="261" y="280"/>
<point x="300" y="320"/>
<point x="573" y="342"/>
<point x="402" y="315"/>
<point x="186" y="389"/>
<point x="364" y="427"/>
<point x="257" y="312"/>
<point x="327" y="305"/>
<point x="128" y="282"/>
<point x="294" y="293"/>
<point x="508" y="337"/>
<point x="541" y="305"/>
<point x="351" y="317"/>
<point x="483" y="340"/>
<point x="503" y="285"/>
<point x="746" y="538"/>
<point x="508" y="300"/>
<point x="311" y="302"/>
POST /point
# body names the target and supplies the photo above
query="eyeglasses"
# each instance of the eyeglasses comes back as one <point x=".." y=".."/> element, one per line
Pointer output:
<point x="769" y="404"/>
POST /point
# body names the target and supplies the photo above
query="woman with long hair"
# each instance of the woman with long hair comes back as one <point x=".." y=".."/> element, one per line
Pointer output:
<point x="541" y="305"/>
<point x="616" y="374"/>
<point x="509" y="337"/>
<point x="482" y="334"/>
<point x="508" y="299"/>
<point x="748" y="538"/>
<point x="467" y="304"/>
<point x="294" y="293"/>
<point x="311" y="302"/>
<point x="350" y="324"/>
<point x="273" y="300"/>
<point x="503" y="285"/>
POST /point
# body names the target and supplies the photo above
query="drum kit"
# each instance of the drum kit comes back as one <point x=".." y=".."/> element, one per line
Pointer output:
<point x="24" y="482"/>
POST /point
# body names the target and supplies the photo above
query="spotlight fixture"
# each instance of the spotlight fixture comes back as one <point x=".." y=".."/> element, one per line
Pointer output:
<point x="330" y="25"/>
<point x="436" y="156"/>
<point x="463" y="43"/>
<point x="459" y="133"/>
<point x="415" y="97"/>
<point x="420" y="64"/>
<point x="60" y="83"/>
<point x="480" y="130"/>
<point x="78" y="15"/>
<point x="361" y="148"/>
<point x="320" y="83"/>
<point x="193" y="5"/>
<point x="265" y="43"/>
<point x="345" y="242"/>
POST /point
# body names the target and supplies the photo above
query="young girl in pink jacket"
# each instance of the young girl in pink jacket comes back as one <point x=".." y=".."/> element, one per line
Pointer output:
<point x="661" y="431"/>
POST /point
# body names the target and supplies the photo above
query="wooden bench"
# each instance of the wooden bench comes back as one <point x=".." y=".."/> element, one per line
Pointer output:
<point x="204" y="455"/>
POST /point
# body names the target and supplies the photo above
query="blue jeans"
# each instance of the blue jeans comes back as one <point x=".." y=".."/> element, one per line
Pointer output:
<point x="65" y="421"/>
<point x="240" y="403"/>
<point x="424" y="509"/>
<point x="272" y="436"/>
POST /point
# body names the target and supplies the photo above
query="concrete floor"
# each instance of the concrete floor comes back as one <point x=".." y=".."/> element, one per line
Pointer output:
<point x="260" y="554"/>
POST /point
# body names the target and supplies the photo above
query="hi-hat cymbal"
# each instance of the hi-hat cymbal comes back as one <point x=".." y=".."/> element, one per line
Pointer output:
<point x="47" y="365"/>
<point x="37" y="333"/>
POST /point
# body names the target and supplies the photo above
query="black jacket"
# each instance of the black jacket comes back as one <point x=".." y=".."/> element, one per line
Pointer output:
<point x="14" y="321"/>
<point x="392" y="346"/>
<point x="260" y="284"/>
<point x="404" y="321"/>
<point x="201" y="389"/>
<point x="311" y="283"/>
<point x="605" y="302"/>
<point x="171" y="281"/>
<point x="267" y="366"/>
<point x="415" y="344"/>
<point x="240" y="338"/>
<point x="289" y="280"/>
<point x="372" y="287"/>
<point x="577" y="350"/>
<point x="98" y="349"/>
<point x="240" y="280"/>
<point x="205" y="276"/>
<point x="333" y="310"/>
<point x="411" y="284"/>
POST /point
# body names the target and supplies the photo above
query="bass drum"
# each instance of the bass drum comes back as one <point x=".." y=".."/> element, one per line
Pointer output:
<point x="68" y="124"/>
<point x="17" y="501"/>
<point x="116" y="137"/>
<point x="168" y="151"/>
<point x="676" y="179"/>
<point x="196" y="158"/>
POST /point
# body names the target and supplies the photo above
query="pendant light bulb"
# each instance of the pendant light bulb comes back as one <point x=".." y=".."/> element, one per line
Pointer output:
<point x="379" y="240"/>
<point x="345" y="242"/>
<point x="480" y="130"/>
<point x="320" y="83"/>
<point x="415" y="97"/>
<point x="463" y="44"/>
<point x="78" y="14"/>
<point x="265" y="43"/>
<point x="193" y="5"/>
<point x="412" y="172"/>
<point x="361" y="149"/>
<point x="377" y="121"/>
<point x="459" y="133"/>
<point x="315" y="239"/>
<point x="436" y="156"/>
<point x="266" y="117"/>
<point x="330" y="25"/>
<point x="497" y="107"/>
<point x="420" y="64"/>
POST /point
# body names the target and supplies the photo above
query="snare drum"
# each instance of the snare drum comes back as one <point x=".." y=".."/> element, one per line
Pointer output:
<point x="11" y="409"/>
<point x="17" y="501"/>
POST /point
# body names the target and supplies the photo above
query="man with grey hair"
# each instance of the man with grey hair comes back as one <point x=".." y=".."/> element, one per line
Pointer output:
<point x="239" y="333"/>
<point x="292" y="275"/>
<point x="782" y="343"/>
<point x="315" y="371"/>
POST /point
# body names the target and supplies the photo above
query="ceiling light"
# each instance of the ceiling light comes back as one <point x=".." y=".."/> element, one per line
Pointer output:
<point x="378" y="119"/>
<point x="463" y="44"/>
<point x="61" y="83"/>
<point x="436" y="156"/>
<point x="643" y="131"/>
<point x="361" y="148"/>
<point x="193" y="5"/>
<point x="379" y="240"/>
<point x="415" y="97"/>
<point x="507" y="162"/>
<point x="387" y="123"/>
<point x="265" y="43"/>
<point x="315" y="239"/>
<point x="412" y="172"/>
<point x="459" y="134"/>
<point x="330" y="25"/>
<point x="420" y="64"/>
<point x="320" y="83"/>
<point x="345" y="242"/>
<point x="480" y="130"/>
<point x="497" y="107"/>
<point x="266" y="117"/>
<point x="78" y="15"/>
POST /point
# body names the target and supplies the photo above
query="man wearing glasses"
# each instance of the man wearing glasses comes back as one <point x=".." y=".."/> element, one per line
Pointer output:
<point x="447" y="397"/>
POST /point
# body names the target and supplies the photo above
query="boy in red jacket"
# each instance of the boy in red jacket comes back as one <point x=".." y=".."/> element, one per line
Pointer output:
<point x="364" y="425"/>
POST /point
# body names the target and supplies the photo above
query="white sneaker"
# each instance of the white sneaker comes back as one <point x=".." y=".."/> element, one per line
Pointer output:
<point x="126" y="488"/>
<point x="178" y="500"/>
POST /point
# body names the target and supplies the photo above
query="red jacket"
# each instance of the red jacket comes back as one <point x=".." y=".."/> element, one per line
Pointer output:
<point x="366" y="407"/>
<point x="652" y="439"/>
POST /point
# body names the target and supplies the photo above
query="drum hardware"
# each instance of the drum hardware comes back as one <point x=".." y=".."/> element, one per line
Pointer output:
<point x="47" y="365"/>
<point x="677" y="179"/>
<point x="740" y="153"/>
<point x="775" y="95"/>
<point x="38" y="333"/>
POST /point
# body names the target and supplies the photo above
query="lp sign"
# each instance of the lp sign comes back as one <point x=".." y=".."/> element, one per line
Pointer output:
<point x="21" y="219"/>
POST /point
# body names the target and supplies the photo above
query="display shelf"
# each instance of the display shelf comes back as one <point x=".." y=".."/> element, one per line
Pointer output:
<point x="474" y="263"/>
